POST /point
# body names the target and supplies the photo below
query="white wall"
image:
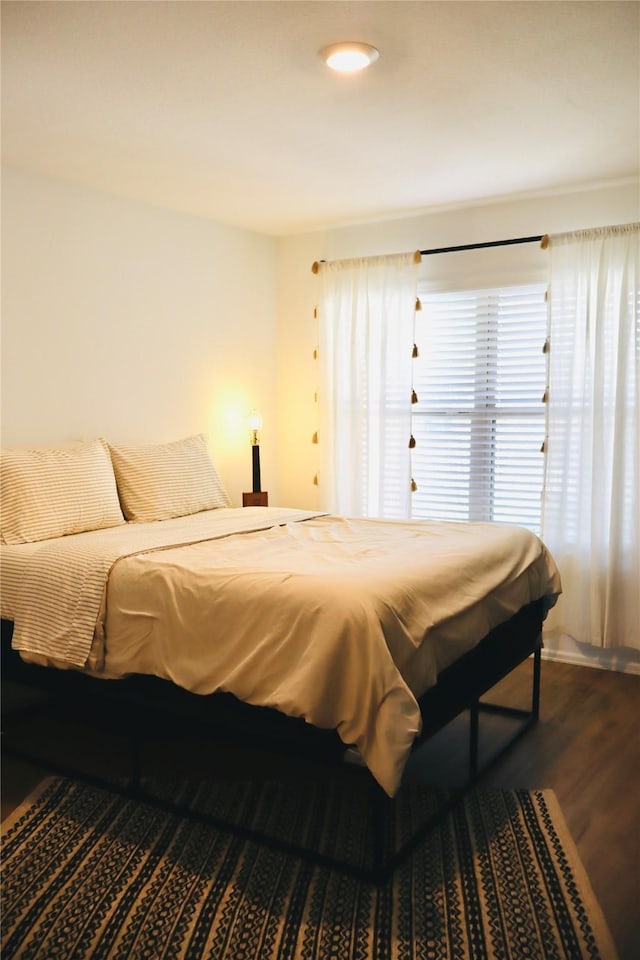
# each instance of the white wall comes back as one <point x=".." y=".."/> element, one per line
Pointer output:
<point x="130" y="322"/>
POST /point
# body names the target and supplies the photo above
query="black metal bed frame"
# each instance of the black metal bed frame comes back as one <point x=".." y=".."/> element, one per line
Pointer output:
<point x="141" y="700"/>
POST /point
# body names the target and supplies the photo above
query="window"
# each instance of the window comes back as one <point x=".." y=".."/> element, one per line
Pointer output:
<point x="479" y="423"/>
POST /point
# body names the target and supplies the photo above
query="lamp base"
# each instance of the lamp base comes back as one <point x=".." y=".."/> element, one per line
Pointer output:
<point x="259" y="499"/>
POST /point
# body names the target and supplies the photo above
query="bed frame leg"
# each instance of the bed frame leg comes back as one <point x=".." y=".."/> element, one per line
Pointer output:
<point x="535" y="687"/>
<point x="474" y="726"/>
<point x="526" y="717"/>
<point x="136" y="763"/>
<point x="381" y="811"/>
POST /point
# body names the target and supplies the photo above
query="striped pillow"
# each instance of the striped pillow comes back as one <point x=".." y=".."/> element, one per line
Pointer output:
<point x="166" y="480"/>
<point x="48" y="492"/>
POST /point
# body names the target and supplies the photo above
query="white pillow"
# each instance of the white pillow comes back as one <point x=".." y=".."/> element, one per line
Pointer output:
<point x="51" y="492"/>
<point x="164" y="480"/>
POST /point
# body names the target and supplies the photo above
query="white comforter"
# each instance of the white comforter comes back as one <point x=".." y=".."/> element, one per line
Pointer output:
<point x="342" y="622"/>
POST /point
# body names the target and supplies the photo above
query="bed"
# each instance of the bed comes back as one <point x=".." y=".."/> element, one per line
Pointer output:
<point x="374" y="632"/>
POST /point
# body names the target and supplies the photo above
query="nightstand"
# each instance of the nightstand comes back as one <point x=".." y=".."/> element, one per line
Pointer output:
<point x="260" y="499"/>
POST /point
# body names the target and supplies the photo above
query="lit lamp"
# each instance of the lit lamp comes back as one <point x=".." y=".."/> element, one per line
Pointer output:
<point x="255" y="425"/>
<point x="349" y="56"/>
<point x="258" y="497"/>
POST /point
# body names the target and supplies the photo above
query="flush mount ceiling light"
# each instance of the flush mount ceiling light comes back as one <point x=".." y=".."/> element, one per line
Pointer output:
<point x="349" y="56"/>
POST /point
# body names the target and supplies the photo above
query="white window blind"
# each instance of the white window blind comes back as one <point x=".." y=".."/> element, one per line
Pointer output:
<point x="479" y="423"/>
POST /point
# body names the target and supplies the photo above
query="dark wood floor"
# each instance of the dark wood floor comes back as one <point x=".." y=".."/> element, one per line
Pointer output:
<point x="586" y="748"/>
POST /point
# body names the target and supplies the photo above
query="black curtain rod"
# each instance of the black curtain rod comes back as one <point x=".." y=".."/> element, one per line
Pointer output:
<point x="481" y="246"/>
<point x="543" y="237"/>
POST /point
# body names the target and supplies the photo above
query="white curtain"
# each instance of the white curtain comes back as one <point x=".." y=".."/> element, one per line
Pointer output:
<point x="366" y="324"/>
<point x="591" y="504"/>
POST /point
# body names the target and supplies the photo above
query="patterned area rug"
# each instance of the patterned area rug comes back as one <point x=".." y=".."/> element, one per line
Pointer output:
<point x="90" y="874"/>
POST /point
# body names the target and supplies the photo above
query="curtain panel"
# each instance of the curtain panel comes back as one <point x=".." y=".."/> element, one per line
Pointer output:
<point x="366" y="327"/>
<point x="591" y="502"/>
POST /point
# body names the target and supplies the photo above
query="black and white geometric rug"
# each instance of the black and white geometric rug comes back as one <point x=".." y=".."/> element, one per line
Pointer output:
<point x="87" y="873"/>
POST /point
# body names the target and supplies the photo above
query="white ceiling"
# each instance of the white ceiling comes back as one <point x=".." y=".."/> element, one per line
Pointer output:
<point x="225" y="109"/>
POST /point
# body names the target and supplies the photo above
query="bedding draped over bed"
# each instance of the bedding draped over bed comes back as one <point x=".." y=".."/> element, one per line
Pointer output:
<point x="342" y="622"/>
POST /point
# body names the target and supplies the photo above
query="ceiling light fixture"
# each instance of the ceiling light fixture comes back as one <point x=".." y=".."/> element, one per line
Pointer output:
<point x="349" y="56"/>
